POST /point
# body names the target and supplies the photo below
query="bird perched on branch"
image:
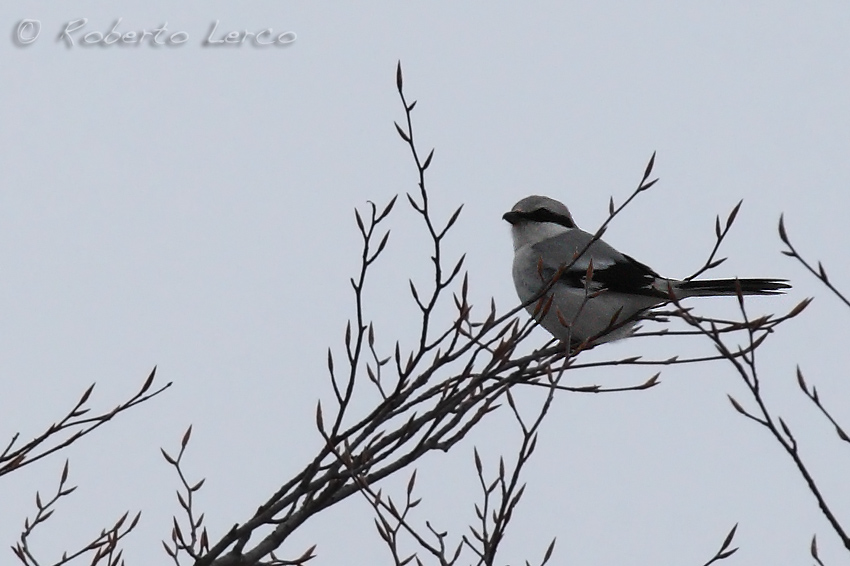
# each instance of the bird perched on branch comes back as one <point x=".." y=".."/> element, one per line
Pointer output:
<point x="593" y="292"/>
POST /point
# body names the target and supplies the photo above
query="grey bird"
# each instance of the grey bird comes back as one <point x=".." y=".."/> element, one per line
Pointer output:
<point x="547" y="243"/>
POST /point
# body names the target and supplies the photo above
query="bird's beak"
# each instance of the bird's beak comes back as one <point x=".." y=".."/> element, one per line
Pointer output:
<point x="513" y="216"/>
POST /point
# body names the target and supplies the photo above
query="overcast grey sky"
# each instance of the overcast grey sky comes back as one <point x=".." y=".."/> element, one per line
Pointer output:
<point x="191" y="207"/>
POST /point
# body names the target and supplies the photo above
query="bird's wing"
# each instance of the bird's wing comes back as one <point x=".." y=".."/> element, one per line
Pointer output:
<point x="612" y="270"/>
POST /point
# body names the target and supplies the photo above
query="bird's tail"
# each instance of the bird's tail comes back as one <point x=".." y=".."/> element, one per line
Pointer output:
<point x="713" y="287"/>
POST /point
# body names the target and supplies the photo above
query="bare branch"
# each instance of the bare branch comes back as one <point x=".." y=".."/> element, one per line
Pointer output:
<point x="70" y="428"/>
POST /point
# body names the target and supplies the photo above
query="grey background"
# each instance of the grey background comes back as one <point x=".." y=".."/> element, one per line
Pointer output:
<point x="191" y="207"/>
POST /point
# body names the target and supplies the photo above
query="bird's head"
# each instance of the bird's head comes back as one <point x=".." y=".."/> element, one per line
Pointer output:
<point x="538" y="218"/>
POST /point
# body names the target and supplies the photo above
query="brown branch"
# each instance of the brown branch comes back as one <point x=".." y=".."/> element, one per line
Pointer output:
<point x="744" y="362"/>
<point x="72" y="427"/>
<point x="820" y="273"/>
<point x="103" y="549"/>
<point x="724" y="552"/>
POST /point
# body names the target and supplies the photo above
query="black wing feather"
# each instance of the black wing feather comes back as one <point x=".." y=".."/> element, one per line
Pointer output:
<point x="624" y="275"/>
<point x="630" y="276"/>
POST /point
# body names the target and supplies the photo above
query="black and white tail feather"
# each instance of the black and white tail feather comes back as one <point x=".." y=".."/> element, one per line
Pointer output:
<point x="721" y="287"/>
